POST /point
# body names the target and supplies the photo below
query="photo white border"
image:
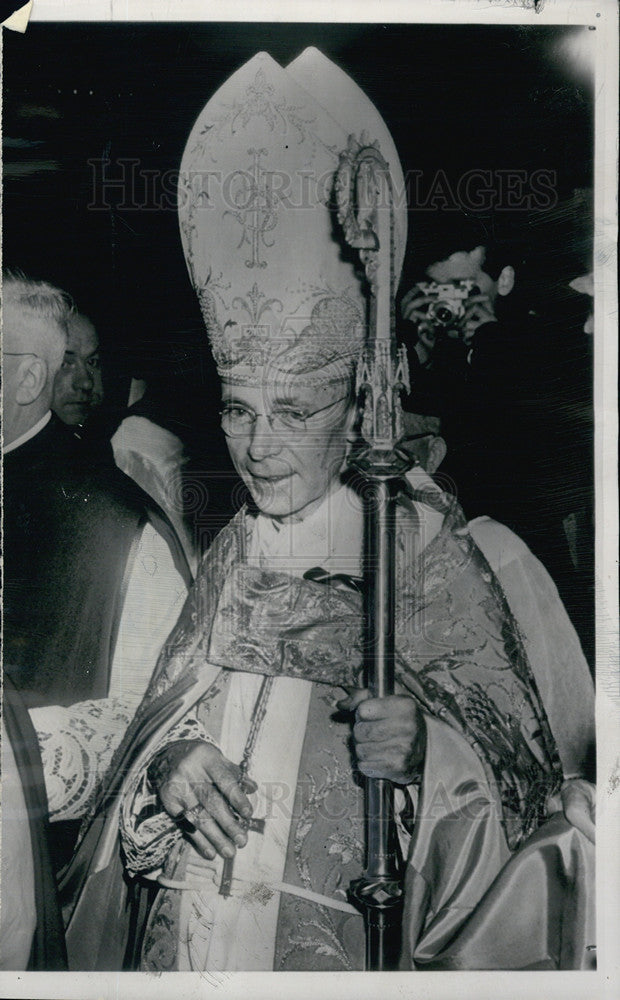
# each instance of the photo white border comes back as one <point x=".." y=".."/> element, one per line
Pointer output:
<point x="605" y="982"/>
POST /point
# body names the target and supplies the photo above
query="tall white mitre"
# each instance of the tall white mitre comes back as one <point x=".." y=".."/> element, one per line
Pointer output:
<point x="278" y="289"/>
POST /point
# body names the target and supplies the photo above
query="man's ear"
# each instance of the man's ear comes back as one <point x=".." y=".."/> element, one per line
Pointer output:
<point x="436" y="453"/>
<point x="506" y="280"/>
<point x="32" y="380"/>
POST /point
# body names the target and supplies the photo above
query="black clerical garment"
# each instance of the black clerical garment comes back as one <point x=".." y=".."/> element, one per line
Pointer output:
<point x="71" y="529"/>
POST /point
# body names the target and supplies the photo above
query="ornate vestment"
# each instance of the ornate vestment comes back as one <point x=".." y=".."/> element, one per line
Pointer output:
<point x="261" y="651"/>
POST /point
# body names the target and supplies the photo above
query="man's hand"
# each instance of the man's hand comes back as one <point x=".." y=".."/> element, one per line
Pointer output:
<point x="414" y="305"/>
<point x="196" y="780"/>
<point x="478" y="311"/>
<point x="389" y="736"/>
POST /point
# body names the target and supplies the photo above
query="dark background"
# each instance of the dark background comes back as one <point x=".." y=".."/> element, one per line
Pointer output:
<point x="454" y="97"/>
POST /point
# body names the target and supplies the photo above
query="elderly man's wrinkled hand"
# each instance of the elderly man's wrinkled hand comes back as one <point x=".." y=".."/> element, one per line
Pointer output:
<point x="389" y="736"/>
<point x="205" y="793"/>
<point x="577" y="800"/>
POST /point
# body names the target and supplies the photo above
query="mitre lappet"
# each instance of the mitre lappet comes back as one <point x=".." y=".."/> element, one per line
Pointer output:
<point x="281" y="294"/>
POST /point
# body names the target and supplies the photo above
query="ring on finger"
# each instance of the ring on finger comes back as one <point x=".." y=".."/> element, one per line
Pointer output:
<point x="183" y="820"/>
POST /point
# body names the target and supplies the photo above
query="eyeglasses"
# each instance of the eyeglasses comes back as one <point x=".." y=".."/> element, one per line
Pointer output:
<point x="239" y="421"/>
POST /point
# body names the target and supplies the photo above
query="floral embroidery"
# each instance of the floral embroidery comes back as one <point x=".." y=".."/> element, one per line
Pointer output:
<point x="77" y="744"/>
<point x="159" y="949"/>
<point x="319" y="930"/>
<point x="460" y="633"/>
<point x="258" y="101"/>
<point x="461" y="656"/>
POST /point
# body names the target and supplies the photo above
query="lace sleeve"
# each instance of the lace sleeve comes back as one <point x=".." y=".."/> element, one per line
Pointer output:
<point x="76" y="745"/>
<point x="148" y="833"/>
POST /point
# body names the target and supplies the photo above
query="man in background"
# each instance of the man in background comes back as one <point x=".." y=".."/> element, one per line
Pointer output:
<point x="34" y="340"/>
<point x="78" y="385"/>
<point x="94" y="573"/>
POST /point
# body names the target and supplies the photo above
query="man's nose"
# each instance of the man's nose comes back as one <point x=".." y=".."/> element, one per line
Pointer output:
<point x="82" y="378"/>
<point x="263" y="441"/>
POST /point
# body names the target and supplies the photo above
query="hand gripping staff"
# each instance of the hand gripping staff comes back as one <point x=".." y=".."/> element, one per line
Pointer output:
<point x="364" y="196"/>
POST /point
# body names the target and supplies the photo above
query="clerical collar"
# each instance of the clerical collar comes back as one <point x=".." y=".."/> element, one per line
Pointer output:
<point x="331" y="530"/>
<point x="40" y="424"/>
<point x="316" y="515"/>
<point x="332" y="535"/>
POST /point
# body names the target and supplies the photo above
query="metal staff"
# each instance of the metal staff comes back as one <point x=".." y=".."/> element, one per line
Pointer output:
<point x="365" y="210"/>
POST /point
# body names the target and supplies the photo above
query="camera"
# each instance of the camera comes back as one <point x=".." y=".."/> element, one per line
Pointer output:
<point x="449" y="301"/>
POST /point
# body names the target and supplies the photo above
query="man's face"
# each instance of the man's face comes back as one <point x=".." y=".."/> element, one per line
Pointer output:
<point x="461" y="266"/>
<point x="30" y="356"/>
<point x="289" y="473"/>
<point x="78" y="386"/>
